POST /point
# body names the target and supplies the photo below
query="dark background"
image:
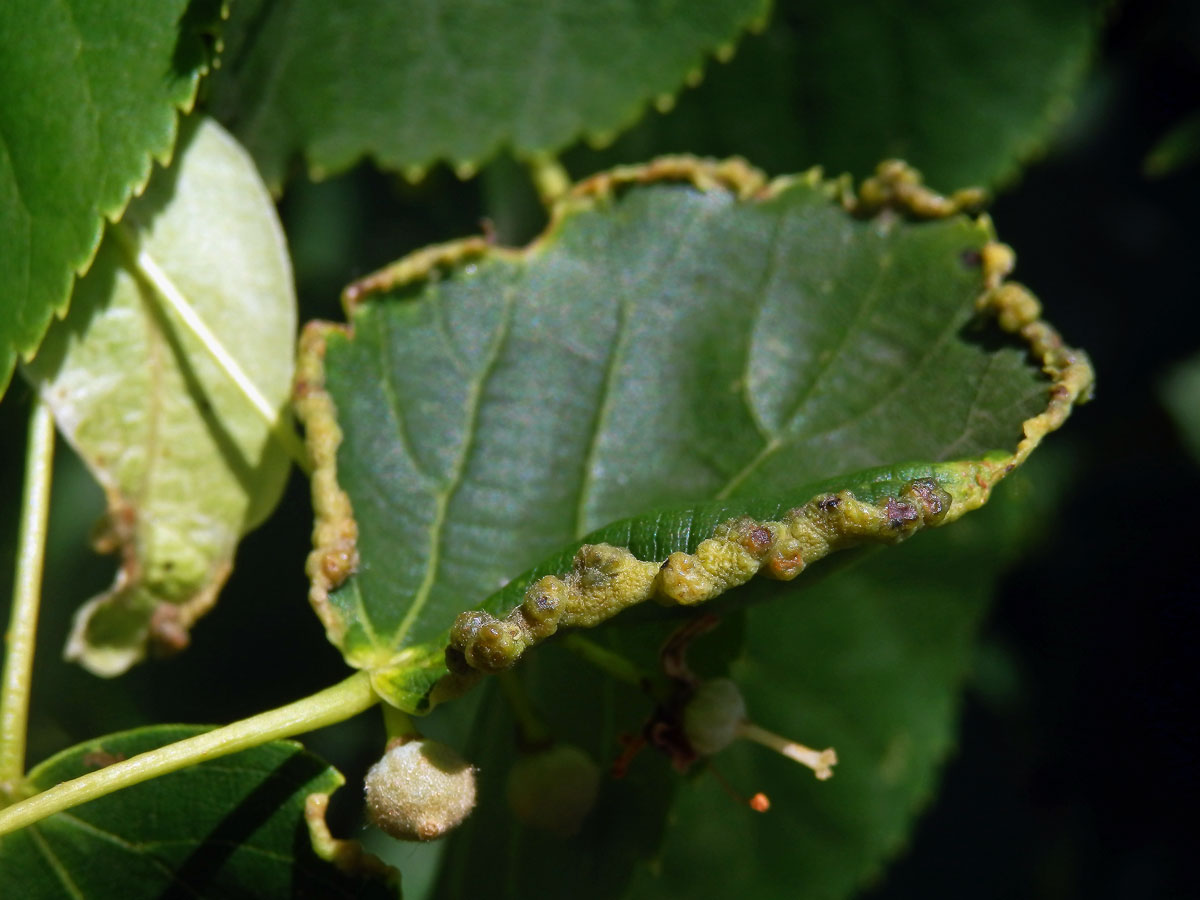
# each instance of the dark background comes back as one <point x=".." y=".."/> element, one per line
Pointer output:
<point x="1076" y="771"/>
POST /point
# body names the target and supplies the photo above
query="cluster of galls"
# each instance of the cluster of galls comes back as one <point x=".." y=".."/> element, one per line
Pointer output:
<point x="422" y="789"/>
<point x="604" y="580"/>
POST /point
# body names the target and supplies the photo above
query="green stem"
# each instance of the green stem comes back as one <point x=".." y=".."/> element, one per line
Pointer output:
<point x="607" y="660"/>
<point x="397" y="724"/>
<point x="327" y="707"/>
<point x="27" y="590"/>
<point x="166" y="290"/>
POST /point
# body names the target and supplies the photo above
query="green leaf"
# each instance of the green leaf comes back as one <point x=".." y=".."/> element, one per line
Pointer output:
<point x="91" y="89"/>
<point x="1175" y="150"/>
<point x="1181" y="394"/>
<point x="412" y="83"/>
<point x="627" y="821"/>
<point x="871" y="663"/>
<point x="964" y="92"/>
<point x="666" y="345"/>
<point x="232" y="827"/>
<point x="186" y="462"/>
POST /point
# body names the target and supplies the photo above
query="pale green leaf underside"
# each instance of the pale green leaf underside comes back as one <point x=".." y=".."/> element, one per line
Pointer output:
<point x="964" y="92"/>
<point x="233" y="827"/>
<point x="418" y="81"/>
<point x="186" y="462"/>
<point x="91" y="90"/>
<point x="667" y="347"/>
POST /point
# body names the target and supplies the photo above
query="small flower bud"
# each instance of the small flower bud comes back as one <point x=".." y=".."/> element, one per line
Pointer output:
<point x="554" y="789"/>
<point x="419" y="790"/>
<point x="713" y="718"/>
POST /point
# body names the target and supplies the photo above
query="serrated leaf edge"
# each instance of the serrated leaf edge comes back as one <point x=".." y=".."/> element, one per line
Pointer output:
<point x="414" y="170"/>
<point x="163" y="155"/>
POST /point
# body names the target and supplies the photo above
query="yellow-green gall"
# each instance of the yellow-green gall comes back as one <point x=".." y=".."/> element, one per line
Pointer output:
<point x="603" y="579"/>
<point x="554" y="789"/>
<point x="419" y="790"/>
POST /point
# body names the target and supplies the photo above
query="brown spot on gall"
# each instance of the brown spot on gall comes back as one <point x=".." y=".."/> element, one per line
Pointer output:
<point x="933" y="498"/>
<point x="900" y="514"/>
<point x="759" y="540"/>
<point x="785" y="568"/>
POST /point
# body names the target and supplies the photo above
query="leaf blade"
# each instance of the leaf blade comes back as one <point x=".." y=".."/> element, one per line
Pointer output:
<point x="411" y="84"/>
<point x="430" y="346"/>
<point x="114" y="103"/>
<point x="967" y="95"/>
<point x="186" y="462"/>
<point x="229" y="827"/>
<point x="871" y="662"/>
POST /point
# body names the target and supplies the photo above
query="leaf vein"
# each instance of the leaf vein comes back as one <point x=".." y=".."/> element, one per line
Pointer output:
<point x="933" y="353"/>
<point x="603" y="407"/>
<point x="949" y="452"/>
<point x="437" y="531"/>
<point x="393" y="400"/>
<point x="55" y="863"/>
<point x="762" y="291"/>
<point x="141" y="850"/>
<point x="869" y="298"/>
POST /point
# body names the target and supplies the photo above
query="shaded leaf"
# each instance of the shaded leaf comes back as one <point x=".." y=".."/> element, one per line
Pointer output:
<point x="870" y="662"/>
<point x="186" y="462"/>
<point x="1175" y="150"/>
<point x="91" y="91"/>
<point x="412" y="83"/>
<point x="588" y="709"/>
<point x="966" y="93"/>
<point x="1181" y="393"/>
<point x="232" y="827"/>
<point x="660" y="346"/>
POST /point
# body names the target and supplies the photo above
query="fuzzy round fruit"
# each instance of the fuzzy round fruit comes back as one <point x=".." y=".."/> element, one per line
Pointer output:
<point x="714" y="716"/>
<point x="554" y="789"/>
<point x="419" y="790"/>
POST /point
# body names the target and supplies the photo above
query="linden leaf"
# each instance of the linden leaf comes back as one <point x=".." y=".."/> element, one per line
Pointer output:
<point x="967" y="93"/>
<point x="185" y="460"/>
<point x="232" y="827"/>
<point x="702" y="340"/>
<point x="91" y="93"/>
<point x="412" y="83"/>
